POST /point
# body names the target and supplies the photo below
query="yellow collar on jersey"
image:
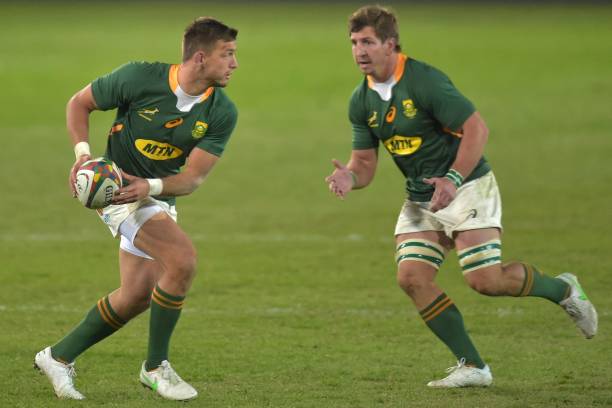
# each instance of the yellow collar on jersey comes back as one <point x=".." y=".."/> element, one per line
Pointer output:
<point x="397" y="74"/>
<point x="173" y="81"/>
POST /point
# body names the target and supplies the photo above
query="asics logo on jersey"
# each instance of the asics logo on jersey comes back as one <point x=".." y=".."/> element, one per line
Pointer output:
<point x="373" y="120"/>
<point x="148" y="113"/>
<point x="403" y="145"/>
<point x="157" y="150"/>
<point x="391" y="114"/>
<point x="173" y="123"/>
<point x="116" y="128"/>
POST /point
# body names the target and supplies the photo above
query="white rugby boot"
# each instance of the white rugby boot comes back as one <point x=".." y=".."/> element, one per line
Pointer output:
<point x="58" y="373"/>
<point x="579" y="307"/>
<point x="167" y="383"/>
<point x="464" y="376"/>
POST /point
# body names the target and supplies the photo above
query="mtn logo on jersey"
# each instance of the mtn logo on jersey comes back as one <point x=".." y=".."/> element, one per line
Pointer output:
<point x="199" y="129"/>
<point x="410" y="110"/>
<point x="157" y="150"/>
<point x="403" y="145"/>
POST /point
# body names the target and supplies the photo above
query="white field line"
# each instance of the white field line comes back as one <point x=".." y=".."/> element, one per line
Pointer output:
<point x="239" y="237"/>
<point x="500" y="312"/>
<point x="269" y="311"/>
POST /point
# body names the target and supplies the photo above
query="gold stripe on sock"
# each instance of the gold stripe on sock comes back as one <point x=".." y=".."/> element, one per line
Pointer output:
<point x="167" y="299"/>
<point x="433" y="304"/>
<point x="531" y="280"/>
<point x="166" y="303"/>
<point x="528" y="280"/>
<point x="106" y="306"/>
<point x="440" y="310"/>
<point x="441" y="303"/>
<point x="104" y="314"/>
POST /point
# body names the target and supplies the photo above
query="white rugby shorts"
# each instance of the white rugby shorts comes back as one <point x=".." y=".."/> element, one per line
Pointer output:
<point x="127" y="219"/>
<point x="477" y="205"/>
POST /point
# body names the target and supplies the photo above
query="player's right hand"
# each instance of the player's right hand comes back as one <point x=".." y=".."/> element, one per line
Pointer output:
<point x="340" y="182"/>
<point x="135" y="189"/>
<point x="73" y="171"/>
<point x="445" y="192"/>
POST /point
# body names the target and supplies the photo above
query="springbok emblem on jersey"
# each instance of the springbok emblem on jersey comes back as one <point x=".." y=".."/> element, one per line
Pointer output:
<point x="410" y="110"/>
<point x="199" y="129"/>
<point x="373" y="120"/>
<point x="148" y="113"/>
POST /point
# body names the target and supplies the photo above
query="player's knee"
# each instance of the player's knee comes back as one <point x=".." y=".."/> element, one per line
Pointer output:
<point x="417" y="263"/>
<point x="184" y="262"/>
<point x="412" y="277"/>
<point x="130" y="305"/>
<point x="407" y="280"/>
<point x="483" y="281"/>
<point x="481" y="266"/>
<point x="140" y="303"/>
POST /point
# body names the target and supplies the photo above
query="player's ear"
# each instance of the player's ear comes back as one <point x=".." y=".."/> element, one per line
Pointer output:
<point x="199" y="57"/>
<point x="390" y="44"/>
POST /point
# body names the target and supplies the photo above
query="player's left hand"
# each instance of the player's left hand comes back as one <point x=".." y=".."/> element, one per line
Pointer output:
<point x="340" y="182"/>
<point x="445" y="192"/>
<point x="136" y="189"/>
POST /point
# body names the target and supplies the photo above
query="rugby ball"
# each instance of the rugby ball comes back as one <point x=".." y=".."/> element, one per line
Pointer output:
<point x="96" y="182"/>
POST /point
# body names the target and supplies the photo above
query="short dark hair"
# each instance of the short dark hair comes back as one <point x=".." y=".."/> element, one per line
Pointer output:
<point x="381" y="19"/>
<point x="203" y="33"/>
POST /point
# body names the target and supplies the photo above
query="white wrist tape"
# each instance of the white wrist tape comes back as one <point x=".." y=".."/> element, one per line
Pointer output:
<point x="155" y="186"/>
<point x="81" y="148"/>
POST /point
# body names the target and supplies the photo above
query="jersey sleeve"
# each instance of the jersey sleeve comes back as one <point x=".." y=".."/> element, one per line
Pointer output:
<point x="443" y="100"/>
<point x="362" y="135"/>
<point x="219" y="130"/>
<point x="116" y="88"/>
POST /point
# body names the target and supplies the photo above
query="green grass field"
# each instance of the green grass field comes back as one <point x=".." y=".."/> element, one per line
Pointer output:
<point x="296" y="304"/>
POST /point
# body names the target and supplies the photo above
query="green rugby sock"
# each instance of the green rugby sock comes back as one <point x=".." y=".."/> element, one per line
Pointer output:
<point x="99" y="323"/>
<point x="165" y="312"/>
<point x="445" y="320"/>
<point x="539" y="285"/>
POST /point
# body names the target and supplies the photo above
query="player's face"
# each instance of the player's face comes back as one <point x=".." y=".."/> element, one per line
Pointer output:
<point x="221" y="62"/>
<point x="370" y="53"/>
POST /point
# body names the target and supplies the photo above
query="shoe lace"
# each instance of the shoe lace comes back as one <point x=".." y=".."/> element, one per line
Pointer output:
<point x="460" y="364"/>
<point x="70" y="371"/>
<point x="168" y="373"/>
<point x="573" y="310"/>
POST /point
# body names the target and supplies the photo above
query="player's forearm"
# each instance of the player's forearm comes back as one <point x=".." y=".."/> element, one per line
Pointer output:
<point x="362" y="173"/>
<point x="199" y="165"/>
<point x="77" y="115"/>
<point x="77" y="121"/>
<point x="362" y="176"/>
<point x="362" y="165"/>
<point x="471" y="149"/>
<point x="180" y="184"/>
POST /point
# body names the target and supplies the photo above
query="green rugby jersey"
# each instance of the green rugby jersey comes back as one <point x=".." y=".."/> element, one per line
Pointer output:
<point x="419" y="125"/>
<point x="151" y="137"/>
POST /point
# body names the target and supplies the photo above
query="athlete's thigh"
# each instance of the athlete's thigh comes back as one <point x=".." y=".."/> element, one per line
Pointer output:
<point x="479" y="254"/>
<point x="421" y="253"/>
<point x="470" y="238"/>
<point x="438" y="237"/>
<point x="163" y="239"/>
<point x="138" y="275"/>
